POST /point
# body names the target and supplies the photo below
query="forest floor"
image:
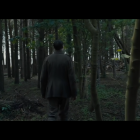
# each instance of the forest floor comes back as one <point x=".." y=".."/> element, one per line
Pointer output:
<point x="32" y="107"/>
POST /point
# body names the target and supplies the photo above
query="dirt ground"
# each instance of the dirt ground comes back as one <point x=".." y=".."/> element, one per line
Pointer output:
<point x="33" y="108"/>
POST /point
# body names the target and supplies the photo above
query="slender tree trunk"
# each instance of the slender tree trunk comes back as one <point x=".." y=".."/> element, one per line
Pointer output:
<point x="101" y="66"/>
<point x="34" y="60"/>
<point x="75" y="46"/>
<point x="93" y="28"/>
<point x="7" y="50"/>
<point x="20" y="43"/>
<point x="112" y="56"/>
<point x="69" y="49"/>
<point x="56" y="32"/>
<point x="24" y="54"/>
<point x="12" y="50"/>
<point x="1" y="68"/>
<point x="50" y="44"/>
<point x="79" y="67"/>
<point x="40" y="52"/>
<point x="133" y="75"/>
<point x="85" y="62"/>
<point x="46" y="52"/>
<point x="27" y="51"/>
<point x="16" y="54"/>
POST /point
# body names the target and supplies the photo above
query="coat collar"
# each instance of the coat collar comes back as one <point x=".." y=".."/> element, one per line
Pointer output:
<point x="58" y="52"/>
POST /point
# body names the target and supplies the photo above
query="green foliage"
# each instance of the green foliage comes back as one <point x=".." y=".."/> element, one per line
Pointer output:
<point x="105" y="92"/>
<point x="6" y="108"/>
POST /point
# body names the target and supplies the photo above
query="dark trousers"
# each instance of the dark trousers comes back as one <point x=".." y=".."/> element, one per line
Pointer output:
<point x="57" y="104"/>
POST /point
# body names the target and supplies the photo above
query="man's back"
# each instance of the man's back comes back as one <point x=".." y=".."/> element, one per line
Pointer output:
<point x="60" y="76"/>
<point x="58" y="82"/>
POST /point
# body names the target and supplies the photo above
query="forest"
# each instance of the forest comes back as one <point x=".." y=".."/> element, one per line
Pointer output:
<point x="106" y="60"/>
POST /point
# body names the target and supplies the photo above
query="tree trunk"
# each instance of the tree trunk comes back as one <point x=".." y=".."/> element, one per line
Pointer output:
<point x="1" y="68"/>
<point x="79" y="67"/>
<point x="27" y="51"/>
<point x="12" y="50"/>
<point x="112" y="56"/>
<point x="50" y="44"/>
<point x="24" y="54"/>
<point x="133" y="75"/>
<point x="56" y="31"/>
<point x="34" y="60"/>
<point x="20" y="43"/>
<point x="85" y="63"/>
<point x="16" y="54"/>
<point x="69" y="49"/>
<point x="75" y="46"/>
<point x="77" y="55"/>
<point x="40" y="52"/>
<point x="93" y="28"/>
<point x="7" y="50"/>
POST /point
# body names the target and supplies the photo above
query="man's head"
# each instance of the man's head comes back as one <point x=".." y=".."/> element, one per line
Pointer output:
<point x="58" y="44"/>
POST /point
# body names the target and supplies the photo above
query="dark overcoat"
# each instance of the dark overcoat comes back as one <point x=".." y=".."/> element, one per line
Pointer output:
<point x="57" y="76"/>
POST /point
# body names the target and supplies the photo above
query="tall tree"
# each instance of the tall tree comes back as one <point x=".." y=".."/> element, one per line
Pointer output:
<point x="133" y="75"/>
<point x="75" y="45"/>
<point x="27" y="50"/>
<point x="77" y="55"/>
<point x="56" y="30"/>
<point x="7" y="49"/>
<point x="16" y="53"/>
<point x="68" y="40"/>
<point x="85" y="62"/>
<point x="40" y="51"/>
<point x="12" y="48"/>
<point x="20" y="45"/>
<point x="34" y="59"/>
<point x="92" y="26"/>
<point x="1" y="68"/>
<point x="24" y="52"/>
<point x="50" y="43"/>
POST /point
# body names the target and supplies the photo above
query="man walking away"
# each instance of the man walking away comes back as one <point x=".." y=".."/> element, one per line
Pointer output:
<point x="58" y="82"/>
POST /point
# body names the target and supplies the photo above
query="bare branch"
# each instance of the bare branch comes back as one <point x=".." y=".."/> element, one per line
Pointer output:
<point x="89" y="26"/>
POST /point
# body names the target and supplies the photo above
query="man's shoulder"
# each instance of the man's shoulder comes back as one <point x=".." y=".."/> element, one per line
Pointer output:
<point x="67" y="55"/>
<point x="49" y="56"/>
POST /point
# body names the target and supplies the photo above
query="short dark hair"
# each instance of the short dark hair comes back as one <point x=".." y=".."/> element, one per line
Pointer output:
<point x="58" y="44"/>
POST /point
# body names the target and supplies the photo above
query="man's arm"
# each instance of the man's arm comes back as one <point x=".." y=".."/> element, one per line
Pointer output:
<point x="72" y="80"/>
<point x="43" y="78"/>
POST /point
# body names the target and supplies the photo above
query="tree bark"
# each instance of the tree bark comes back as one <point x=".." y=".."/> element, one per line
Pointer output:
<point x="16" y="54"/>
<point x="1" y="67"/>
<point x="27" y="51"/>
<point x="24" y="54"/>
<point x="20" y="43"/>
<point x="75" y="46"/>
<point x="85" y="63"/>
<point x="56" y="32"/>
<point x="40" y="51"/>
<point x="93" y="29"/>
<point x="7" y="50"/>
<point x="68" y="40"/>
<point x="12" y="50"/>
<point x="34" y="60"/>
<point x="133" y="75"/>
<point x="50" y="44"/>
